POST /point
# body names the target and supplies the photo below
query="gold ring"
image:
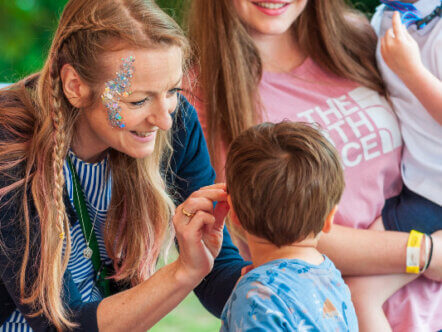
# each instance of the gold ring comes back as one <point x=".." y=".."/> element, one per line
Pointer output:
<point x="188" y="214"/>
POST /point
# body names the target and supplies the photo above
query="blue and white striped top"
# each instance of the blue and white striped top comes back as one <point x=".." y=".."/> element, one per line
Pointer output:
<point x="96" y="185"/>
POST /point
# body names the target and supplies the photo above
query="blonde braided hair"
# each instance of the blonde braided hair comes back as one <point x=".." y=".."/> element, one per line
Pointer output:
<point x="45" y="295"/>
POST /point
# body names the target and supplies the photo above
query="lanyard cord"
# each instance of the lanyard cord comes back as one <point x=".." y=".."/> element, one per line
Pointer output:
<point x="427" y="19"/>
<point x="87" y="228"/>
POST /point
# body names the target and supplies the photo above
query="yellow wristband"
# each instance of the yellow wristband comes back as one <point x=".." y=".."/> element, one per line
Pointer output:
<point x="414" y="251"/>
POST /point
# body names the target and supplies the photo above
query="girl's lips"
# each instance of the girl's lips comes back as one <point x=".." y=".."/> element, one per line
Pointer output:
<point x="144" y="139"/>
<point x="271" y="11"/>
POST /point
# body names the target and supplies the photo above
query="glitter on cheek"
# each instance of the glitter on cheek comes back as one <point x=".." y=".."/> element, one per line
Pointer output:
<point x="119" y="86"/>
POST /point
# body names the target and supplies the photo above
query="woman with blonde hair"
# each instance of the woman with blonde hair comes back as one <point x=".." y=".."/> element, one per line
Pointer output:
<point x="92" y="148"/>
<point x="314" y="61"/>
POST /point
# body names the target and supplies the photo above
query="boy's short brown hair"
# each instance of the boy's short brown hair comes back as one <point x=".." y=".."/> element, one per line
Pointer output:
<point x="283" y="179"/>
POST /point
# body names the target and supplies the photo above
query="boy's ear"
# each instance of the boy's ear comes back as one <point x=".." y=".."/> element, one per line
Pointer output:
<point x="329" y="220"/>
<point x="75" y="90"/>
<point x="232" y="213"/>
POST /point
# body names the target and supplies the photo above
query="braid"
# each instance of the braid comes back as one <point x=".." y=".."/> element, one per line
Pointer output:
<point x="91" y="27"/>
<point x="60" y="222"/>
<point x="58" y="154"/>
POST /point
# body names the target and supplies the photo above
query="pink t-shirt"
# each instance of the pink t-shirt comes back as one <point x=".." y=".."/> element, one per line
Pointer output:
<point x="365" y="131"/>
<point x="359" y="123"/>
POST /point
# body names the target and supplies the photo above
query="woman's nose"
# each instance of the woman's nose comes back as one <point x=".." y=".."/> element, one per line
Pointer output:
<point x="160" y="115"/>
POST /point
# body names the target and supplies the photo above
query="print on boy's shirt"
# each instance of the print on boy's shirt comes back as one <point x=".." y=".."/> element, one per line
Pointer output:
<point x="360" y="124"/>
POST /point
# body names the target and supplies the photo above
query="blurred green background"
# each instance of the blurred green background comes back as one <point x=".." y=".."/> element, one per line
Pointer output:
<point x="26" y="28"/>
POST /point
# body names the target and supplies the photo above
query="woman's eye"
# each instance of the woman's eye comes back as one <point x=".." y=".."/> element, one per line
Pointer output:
<point x="174" y="91"/>
<point x="138" y="103"/>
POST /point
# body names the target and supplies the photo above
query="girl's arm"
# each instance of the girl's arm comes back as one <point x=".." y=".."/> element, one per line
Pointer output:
<point x="401" y="53"/>
<point x="368" y="252"/>
<point x="365" y="252"/>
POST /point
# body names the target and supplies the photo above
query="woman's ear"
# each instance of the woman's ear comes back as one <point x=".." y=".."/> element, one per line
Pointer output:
<point x="75" y="90"/>
<point x="329" y="220"/>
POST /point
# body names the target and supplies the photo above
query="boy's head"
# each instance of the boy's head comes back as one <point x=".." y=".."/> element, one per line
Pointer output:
<point x="284" y="180"/>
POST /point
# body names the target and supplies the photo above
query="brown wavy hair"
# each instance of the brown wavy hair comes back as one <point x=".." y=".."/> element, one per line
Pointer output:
<point x="40" y="122"/>
<point x="338" y="38"/>
<point x="284" y="179"/>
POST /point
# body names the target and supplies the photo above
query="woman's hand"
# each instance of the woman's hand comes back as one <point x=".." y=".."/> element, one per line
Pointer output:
<point x="199" y="231"/>
<point x="434" y="271"/>
<point x="200" y="236"/>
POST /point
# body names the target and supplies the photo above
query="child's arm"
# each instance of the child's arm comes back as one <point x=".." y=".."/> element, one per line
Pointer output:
<point x="401" y="53"/>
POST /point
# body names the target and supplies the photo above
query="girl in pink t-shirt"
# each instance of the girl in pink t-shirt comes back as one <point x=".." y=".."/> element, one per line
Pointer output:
<point x="313" y="61"/>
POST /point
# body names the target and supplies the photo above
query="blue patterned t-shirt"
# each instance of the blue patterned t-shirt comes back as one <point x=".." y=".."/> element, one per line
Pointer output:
<point x="290" y="295"/>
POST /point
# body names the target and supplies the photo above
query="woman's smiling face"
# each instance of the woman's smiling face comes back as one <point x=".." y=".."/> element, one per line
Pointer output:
<point x="269" y="17"/>
<point x="128" y="119"/>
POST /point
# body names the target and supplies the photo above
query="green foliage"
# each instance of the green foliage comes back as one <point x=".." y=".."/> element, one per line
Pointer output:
<point x="366" y="6"/>
<point x="173" y="7"/>
<point x="26" y="30"/>
<point x="27" y="26"/>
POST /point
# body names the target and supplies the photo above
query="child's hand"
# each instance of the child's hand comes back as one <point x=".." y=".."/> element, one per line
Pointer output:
<point x="399" y="50"/>
<point x="401" y="53"/>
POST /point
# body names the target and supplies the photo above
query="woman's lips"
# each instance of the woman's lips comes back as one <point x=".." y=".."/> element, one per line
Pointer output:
<point x="271" y="8"/>
<point x="145" y="136"/>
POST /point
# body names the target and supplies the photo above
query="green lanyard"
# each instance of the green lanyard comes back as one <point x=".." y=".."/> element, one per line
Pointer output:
<point x="92" y="250"/>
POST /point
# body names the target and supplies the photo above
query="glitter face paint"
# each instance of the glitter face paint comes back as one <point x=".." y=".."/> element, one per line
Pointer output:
<point x="119" y="86"/>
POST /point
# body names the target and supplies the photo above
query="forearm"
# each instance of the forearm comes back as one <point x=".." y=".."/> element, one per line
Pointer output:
<point x="427" y="88"/>
<point x="141" y="307"/>
<point x="365" y="252"/>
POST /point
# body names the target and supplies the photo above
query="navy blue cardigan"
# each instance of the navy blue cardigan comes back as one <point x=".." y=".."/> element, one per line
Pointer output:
<point x="190" y="170"/>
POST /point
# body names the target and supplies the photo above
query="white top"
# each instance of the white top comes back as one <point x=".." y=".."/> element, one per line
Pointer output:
<point x="422" y="135"/>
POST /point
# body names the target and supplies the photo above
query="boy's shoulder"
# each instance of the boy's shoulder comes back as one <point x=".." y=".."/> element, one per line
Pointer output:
<point x="289" y="292"/>
<point x="291" y="282"/>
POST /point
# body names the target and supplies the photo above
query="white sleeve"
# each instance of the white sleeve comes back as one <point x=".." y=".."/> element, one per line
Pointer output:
<point x="376" y="20"/>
